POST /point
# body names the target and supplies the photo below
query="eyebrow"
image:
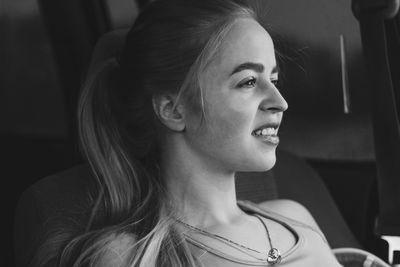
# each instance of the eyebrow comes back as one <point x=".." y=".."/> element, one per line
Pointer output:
<point x="257" y="67"/>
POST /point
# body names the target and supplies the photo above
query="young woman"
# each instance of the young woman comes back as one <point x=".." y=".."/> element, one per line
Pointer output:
<point x="192" y="99"/>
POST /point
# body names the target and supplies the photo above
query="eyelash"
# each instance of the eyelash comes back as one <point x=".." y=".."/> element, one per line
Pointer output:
<point x="275" y="82"/>
<point x="253" y="82"/>
<point x="247" y="81"/>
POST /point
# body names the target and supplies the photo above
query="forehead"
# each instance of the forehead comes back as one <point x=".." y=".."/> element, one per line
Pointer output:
<point x="247" y="41"/>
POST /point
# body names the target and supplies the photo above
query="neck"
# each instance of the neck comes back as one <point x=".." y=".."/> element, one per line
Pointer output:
<point x="202" y="193"/>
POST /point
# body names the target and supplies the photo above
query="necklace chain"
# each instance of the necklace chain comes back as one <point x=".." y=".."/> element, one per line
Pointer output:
<point x="273" y="255"/>
<point x="217" y="236"/>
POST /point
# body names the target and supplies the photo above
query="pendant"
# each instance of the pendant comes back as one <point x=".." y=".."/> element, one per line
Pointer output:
<point x="274" y="256"/>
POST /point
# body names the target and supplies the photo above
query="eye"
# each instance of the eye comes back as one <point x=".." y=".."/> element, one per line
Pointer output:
<point x="275" y="82"/>
<point x="248" y="82"/>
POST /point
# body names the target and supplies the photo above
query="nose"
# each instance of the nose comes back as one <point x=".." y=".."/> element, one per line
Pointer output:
<point x="274" y="101"/>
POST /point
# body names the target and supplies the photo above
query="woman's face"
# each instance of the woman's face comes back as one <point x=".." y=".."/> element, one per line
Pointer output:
<point x="242" y="106"/>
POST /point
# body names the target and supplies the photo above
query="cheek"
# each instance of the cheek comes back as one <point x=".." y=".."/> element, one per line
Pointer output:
<point x="229" y="122"/>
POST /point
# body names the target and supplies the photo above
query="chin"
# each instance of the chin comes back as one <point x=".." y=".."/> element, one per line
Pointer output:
<point x="266" y="160"/>
<point x="268" y="163"/>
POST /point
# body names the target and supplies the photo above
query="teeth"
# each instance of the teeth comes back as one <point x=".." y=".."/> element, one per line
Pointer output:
<point x="266" y="132"/>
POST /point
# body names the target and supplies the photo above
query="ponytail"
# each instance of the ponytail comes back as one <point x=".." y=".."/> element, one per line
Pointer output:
<point x="126" y="175"/>
<point x="122" y="203"/>
<point x="101" y="142"/>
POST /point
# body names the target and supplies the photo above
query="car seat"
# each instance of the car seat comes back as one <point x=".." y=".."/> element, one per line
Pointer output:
<point x="66" y="195"/>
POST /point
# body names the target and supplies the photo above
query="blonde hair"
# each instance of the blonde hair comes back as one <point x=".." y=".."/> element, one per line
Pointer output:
<point x="169" y="46"/>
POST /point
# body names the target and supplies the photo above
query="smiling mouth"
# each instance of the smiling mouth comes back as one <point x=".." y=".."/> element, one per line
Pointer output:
<point x="270" y="129"/>
<point x="267" y="133"/>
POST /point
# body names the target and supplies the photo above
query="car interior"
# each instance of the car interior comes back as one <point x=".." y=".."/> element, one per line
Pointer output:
<point x="340" y="141"/>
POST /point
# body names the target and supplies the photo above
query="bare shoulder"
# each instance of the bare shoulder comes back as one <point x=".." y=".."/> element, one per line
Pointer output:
<point x="290" y="209"/>
<point x="117" y="251"/>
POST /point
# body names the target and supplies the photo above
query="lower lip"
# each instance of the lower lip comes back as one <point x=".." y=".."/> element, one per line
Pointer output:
<point x="271" y="140"/>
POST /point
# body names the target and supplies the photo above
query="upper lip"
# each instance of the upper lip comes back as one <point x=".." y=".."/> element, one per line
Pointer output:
<point x="274" y="125"/>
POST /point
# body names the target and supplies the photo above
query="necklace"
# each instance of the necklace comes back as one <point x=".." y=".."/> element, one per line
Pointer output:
<point x="273" y="255"/>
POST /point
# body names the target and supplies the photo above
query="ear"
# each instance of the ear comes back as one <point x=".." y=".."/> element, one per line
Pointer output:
<point x="169" y="112"/>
